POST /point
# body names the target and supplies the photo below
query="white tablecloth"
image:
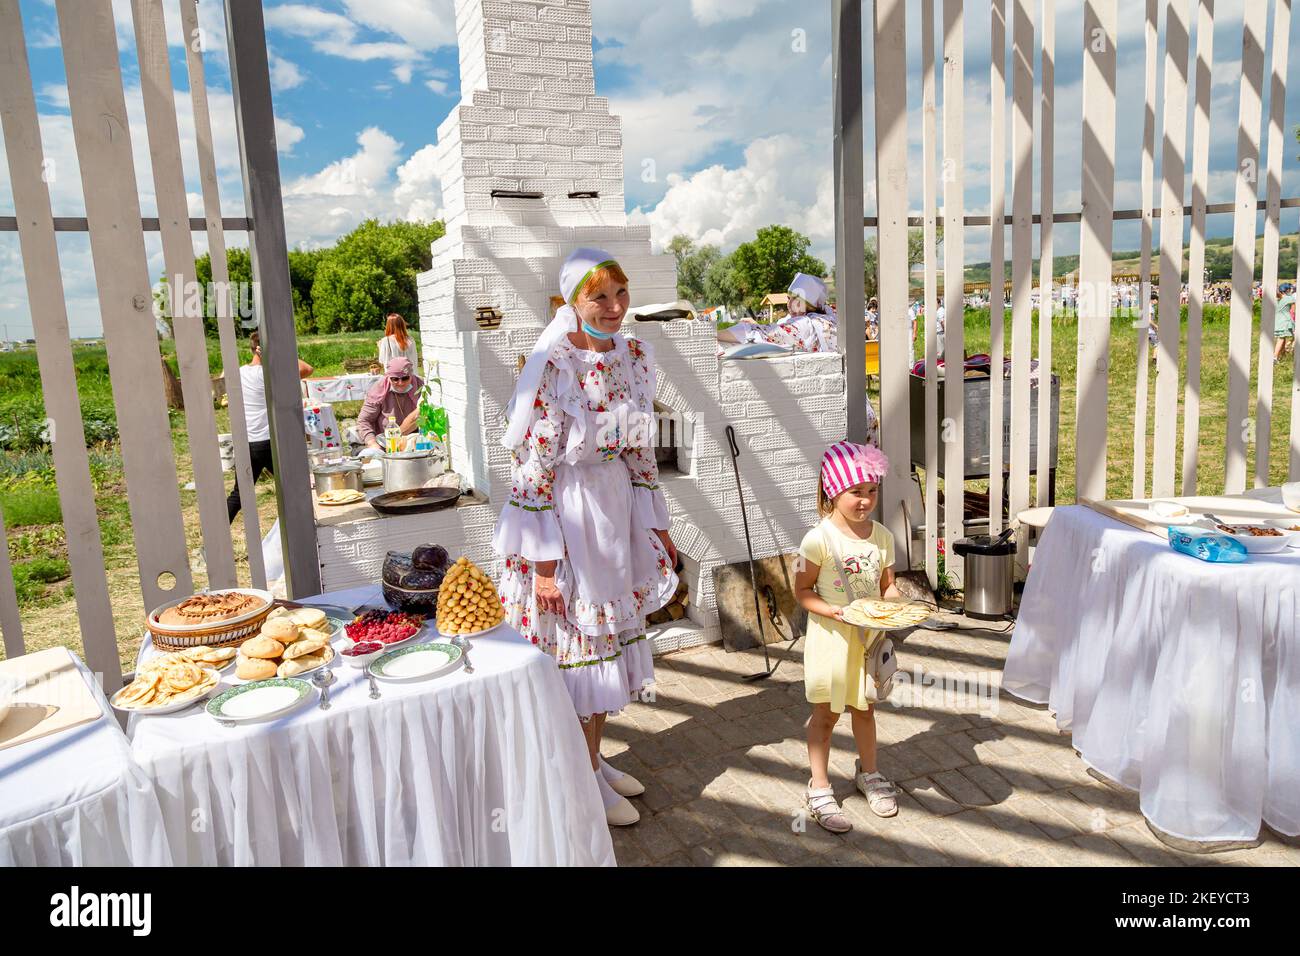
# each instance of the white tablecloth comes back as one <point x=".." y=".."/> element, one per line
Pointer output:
<point x="76" y="798"/>
<point x="340" y="388"/>
<point x="1177" y="678"/>
<point x="489" y="768"/>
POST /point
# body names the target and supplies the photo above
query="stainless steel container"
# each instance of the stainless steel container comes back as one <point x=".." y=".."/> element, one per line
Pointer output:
<point x="989" y="568"/>
<point x="404" y="470"/>
<point x="337" y="476"/>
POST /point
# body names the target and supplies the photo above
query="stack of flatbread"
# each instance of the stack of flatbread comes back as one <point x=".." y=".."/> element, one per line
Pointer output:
<point x="881" y="615"/>
<point x="341" y="496"/>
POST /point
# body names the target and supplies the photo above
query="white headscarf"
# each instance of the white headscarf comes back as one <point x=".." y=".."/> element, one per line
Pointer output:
<point x="811" y="289"/>
<point x="575" y="272"/>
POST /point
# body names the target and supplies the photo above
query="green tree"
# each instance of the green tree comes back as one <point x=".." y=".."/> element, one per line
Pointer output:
<point x="693" y="265"/>
<point x="721" y="286"/>
<point x="370" y="272"/>
<point x="239" y="266"/>
<point x="769" y="262"/>
<point x="302" y="274"/>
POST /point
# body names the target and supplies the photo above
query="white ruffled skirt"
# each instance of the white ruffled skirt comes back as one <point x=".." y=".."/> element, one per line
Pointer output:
<point x="614" y="572"/>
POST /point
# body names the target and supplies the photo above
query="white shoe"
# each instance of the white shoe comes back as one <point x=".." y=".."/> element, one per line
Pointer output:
<point x="624" y="784"/>
<point x="618" y="812"/>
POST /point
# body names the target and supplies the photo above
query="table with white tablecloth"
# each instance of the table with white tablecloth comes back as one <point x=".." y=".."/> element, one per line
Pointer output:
<point x="488" y="768"/>
<point x="339" y="388"/>
<point x="76" y="798"/>
<point x="1176" y="677"/>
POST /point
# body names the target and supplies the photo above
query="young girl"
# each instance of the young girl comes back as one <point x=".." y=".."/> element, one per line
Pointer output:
<point x="836" y="664"/>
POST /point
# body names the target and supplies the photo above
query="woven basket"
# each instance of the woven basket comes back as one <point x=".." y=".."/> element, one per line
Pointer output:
<point x="219" y="634"/>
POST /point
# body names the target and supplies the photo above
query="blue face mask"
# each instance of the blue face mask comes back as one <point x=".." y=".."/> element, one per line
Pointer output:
<point x="595" y="333"/>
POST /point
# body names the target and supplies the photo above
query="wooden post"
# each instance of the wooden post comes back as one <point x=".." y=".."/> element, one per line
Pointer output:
<point x="1022" y="270"/>
<point x="1046" y="282"/>
<point x="1196" y="251"/>
<point x="1098" y="193"/>
<point x="997" y="252"/>
<point x="954" y="276"/>
<point x="890" y="82"/>
<point x="929" y="138"/>
<point x="255" y="121"/>
<point x="1142" y="388"/>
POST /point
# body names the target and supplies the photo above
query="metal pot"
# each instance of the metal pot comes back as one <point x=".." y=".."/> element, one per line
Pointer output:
<point x="404" y="470"/>
<point x="339" y="476"/>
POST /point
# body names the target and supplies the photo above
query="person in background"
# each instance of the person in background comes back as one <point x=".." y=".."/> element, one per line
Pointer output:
<point x="396" y="394"/>
<point x="397" y="342"/>
<point x="1284" y="330"/>
<point x="257" y="425"/>
<point x="873" y="320"/>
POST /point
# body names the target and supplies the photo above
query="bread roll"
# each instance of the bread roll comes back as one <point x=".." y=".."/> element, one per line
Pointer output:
<point x="261" y="646"/>
<point x="303" y="648"/>
<point x="255" y="668"/>
<point x="282" y="629"/>
<point x="312" y="617"/>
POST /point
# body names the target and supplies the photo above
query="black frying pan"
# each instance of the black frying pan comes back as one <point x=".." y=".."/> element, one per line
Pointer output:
<point x="414" y="500"/>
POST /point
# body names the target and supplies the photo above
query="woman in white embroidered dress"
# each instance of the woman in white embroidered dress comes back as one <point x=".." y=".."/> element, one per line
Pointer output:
<point x="584" y="534"/>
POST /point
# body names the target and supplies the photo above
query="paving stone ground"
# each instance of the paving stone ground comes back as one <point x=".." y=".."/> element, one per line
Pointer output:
<point x="984" y="779"/>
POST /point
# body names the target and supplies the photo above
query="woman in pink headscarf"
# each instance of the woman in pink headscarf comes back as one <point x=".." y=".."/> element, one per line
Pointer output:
<point x="396" y="394"/>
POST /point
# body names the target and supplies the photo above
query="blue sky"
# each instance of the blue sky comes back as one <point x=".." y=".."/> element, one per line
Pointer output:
<point x="726" y="109"/>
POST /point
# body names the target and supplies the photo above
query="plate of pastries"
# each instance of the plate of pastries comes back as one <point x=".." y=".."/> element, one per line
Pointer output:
<point x="290" y="643"/>
<point x="166" y="683"/>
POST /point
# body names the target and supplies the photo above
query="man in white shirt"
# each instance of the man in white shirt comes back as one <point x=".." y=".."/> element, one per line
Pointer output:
<point x="253" y="385"/>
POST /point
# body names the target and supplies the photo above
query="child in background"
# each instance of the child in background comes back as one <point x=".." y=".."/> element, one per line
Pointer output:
<point x="836" y="661"/>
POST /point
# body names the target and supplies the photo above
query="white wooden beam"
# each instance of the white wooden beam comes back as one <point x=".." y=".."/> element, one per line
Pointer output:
<point x="997" y="252"/>
<point x="954" y="275"/>
<point x="929" y="136"/>
<point x="1022" y="230"/>
<point x="1098" y="193"/>
<point x="1241" y="313"/>
<point x="1173" y="163"/>
<point x="1196" y="250"/>
<point x="1046" y="284"/>
<point x="1272" y="227"/>
<point x="1144" y="268"/>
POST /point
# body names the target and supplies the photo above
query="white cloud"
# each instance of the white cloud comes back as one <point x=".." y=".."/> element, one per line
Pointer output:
<point x="708" y="12"/>
<point x="355" y="175"/>
<point x="338" y="35"/>
<point x="418" y="188"/>
<point x="285" y="74"/>
<point x="402" y="72"/>
<point x="423" y="24"/>
<point x="785" y="179"/>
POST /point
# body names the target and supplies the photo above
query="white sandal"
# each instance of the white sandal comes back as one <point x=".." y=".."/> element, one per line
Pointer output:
<point x="823" y="808"/>
<point x="880" y="793"/>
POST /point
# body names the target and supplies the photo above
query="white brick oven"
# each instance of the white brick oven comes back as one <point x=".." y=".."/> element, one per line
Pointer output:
<point x="531" y="163"/>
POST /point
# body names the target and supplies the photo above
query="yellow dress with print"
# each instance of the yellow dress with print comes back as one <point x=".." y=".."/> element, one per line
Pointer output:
<point x="834" y="662"/>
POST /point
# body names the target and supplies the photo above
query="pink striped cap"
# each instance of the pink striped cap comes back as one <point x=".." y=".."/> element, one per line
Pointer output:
<point x="846" y="464"/>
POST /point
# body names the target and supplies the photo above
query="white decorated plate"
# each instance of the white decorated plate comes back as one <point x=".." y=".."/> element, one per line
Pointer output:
<point x="417" y="662"/>
<point x="260" y="700"/>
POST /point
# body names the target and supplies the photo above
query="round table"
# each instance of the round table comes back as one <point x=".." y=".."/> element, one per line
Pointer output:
<point x="76" y="798"/>
<point x="1177" y="678"/>
<point x="488" y="768"/>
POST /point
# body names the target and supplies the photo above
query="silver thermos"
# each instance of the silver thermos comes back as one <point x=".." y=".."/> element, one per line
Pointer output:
<point x="990" y="565"/>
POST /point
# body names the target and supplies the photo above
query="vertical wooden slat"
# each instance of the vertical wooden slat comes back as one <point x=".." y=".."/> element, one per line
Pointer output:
<point x="221" y="283"/>
<point x="1022" y="274"/>
<point x="102" y="132"/>
<point x="847" y="67"/>
<point x="250" y="81"/>
<point x="1173" y="164"/>
<point x="1272" y="224"/>
<point x="929" y="191"/>
<point x="11" y="624"/>
<point x="1098" y="194"/>
<point x="1241" y="313"/>
<point x="1196" y="250"/>
<point x="954" y="279"/>
<point x="1047" y="205"/>
<point x="1144" y="268"/>
<point x="891" y="197"/>
<point x="49" y="313"/>
<point x="997" y="250"/>
<point x="178" y="257"/>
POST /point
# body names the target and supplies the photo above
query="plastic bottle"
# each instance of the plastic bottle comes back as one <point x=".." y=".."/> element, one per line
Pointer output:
<point x="392" y="435"/>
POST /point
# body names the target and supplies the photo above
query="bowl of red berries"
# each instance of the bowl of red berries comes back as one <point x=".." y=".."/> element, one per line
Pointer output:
<point x="361" y="654"/>
<point x="385" y="628"/>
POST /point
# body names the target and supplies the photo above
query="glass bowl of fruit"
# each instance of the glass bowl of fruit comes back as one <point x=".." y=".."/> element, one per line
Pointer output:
<point x="388" y="629"/>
